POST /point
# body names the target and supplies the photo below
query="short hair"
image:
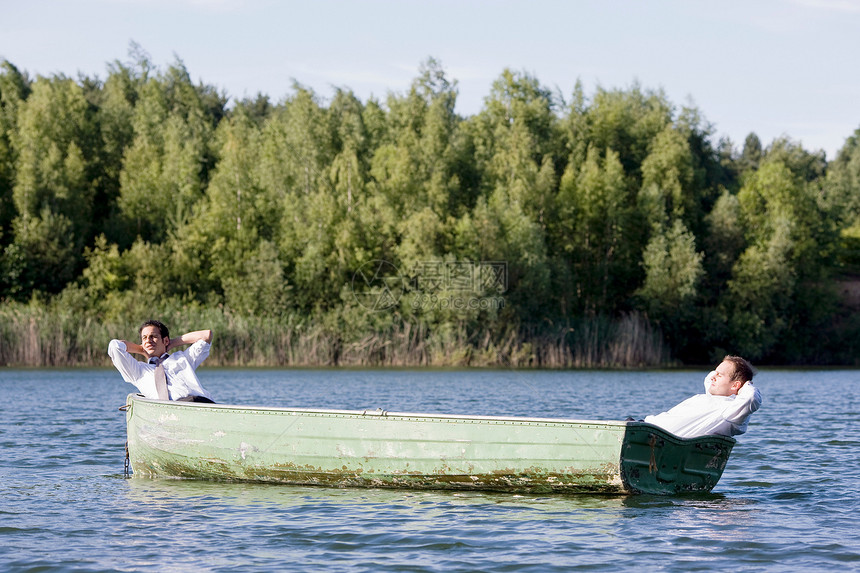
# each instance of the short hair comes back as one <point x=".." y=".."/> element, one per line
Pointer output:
<point x="162" y="328"/>
<point x="743" y="369"/>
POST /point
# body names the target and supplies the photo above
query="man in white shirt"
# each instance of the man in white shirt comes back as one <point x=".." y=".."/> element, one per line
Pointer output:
<point x="725" y="407"/>
<point x="175" y="371"/>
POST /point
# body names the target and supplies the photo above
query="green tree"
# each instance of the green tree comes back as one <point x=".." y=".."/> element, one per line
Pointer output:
<point x="761" y="294"/>
<point x="106" y="274"/>
<point x="217" y="245"/>
<point x="55" y="130"/>
<point x="517" y="143"/>
<point x="499" y="230"/>
<point x="806" y="165"/>
<point x="751" y="155"/>
<point x="842" y="188"/>
<point x="775" y="300"/>
<point x="115" y="116"/>
<point x="42" y="257"/>
<point x="349" y="141"/>
<point x="711" y="174"/>
<point x="596" y="232"/>
<point x="418" y="163"/>
<point x="257" y="286"/>
<point x="673" y="271"/>
<point x="294" y="175"/>
<point x="667" y="191"/>
<point x="166" y="167"/>
<point x="728" y="162"/>
<point x="14" y="90"/>
<point x="724" y="240"/>
<point x="627" y="121"/>
<point x="258" y="110"/>
<point x="55" y="144"/>
<point x="775" y="196"/>
<point x="575" y="130"/>
<point x="517" y="149"/>
<point x="841" y="196"/>
<point x="420" y="180"/>
<point x="235" y="206"/>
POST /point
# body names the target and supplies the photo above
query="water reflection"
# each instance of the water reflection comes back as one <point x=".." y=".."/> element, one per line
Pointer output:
<point x="175" y="492"/>
<point x="324" y="523"/>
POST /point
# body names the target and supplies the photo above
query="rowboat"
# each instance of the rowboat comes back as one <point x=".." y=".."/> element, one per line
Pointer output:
<point x="376" y="448"/>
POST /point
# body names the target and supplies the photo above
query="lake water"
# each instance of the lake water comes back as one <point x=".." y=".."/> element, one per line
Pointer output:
<point x="788" y="499"/>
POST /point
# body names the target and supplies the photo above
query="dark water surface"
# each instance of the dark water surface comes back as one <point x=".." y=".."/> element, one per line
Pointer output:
<point x="788" y="499"/>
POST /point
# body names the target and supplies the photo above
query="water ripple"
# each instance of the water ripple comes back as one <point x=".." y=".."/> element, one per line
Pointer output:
<point x="788" y="500"/>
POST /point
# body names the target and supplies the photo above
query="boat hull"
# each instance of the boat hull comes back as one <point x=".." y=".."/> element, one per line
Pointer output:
<point x="416" y="451"/>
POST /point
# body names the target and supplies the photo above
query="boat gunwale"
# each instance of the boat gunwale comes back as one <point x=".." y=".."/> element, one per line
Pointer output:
<point x="379" y="413"/>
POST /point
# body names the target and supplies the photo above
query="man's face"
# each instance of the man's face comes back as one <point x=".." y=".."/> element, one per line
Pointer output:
<point x="722" y="384"/>
<point x="152" y="341"/>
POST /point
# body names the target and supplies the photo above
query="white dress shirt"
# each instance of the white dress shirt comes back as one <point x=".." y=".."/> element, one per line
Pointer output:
<point x="706" y="414"/>
<point x="179" y="369"/>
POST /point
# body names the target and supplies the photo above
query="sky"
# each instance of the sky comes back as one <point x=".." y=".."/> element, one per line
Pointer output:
<point x="773" y="67"/>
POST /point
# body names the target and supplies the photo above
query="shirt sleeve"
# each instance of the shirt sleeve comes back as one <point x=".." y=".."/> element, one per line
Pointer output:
<point x="197" y="353"/>
<point x="745" y="403"/>
<point x="130" y="369"/>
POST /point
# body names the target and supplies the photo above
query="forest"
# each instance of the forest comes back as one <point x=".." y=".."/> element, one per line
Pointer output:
<point x="548" y="230"/>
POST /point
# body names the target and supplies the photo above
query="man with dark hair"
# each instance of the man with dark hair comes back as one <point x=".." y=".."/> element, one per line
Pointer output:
<point x="164" y="376"/>
<point x="725" y="407"/>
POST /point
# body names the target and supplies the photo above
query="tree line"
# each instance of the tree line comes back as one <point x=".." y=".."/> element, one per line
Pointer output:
<point x="611" y="223"/>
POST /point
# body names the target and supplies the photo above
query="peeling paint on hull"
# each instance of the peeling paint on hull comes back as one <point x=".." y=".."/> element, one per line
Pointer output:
<point x="416" y="451"/>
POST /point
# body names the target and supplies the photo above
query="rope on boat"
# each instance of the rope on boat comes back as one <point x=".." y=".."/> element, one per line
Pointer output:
<point x="652" y="463"/>
<point x="126" y="471"/>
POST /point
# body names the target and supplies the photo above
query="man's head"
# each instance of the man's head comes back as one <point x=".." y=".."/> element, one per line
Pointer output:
<point x="732" y="373"/>
<point x="154" y="337"/>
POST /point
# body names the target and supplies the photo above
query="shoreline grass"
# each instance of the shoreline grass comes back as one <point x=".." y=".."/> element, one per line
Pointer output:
<point x="38" y="335"/>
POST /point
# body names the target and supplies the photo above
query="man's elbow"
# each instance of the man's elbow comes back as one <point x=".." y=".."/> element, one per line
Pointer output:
<point x="207" y="336"/>
<point x="755" y="400"/>
<point x="115" y="346"/>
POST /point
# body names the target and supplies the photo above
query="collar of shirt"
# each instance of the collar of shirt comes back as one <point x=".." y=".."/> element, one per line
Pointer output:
<point x="155" y="359"/>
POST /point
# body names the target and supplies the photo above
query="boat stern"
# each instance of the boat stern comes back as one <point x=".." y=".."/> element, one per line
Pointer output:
<point x="654" y="461"/>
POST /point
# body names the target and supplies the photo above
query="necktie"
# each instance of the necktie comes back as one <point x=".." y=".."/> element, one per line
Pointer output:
<point x="161" y="380"/>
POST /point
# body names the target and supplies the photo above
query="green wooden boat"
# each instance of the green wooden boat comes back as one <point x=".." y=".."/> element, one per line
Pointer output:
<point x="421" y="451"/>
